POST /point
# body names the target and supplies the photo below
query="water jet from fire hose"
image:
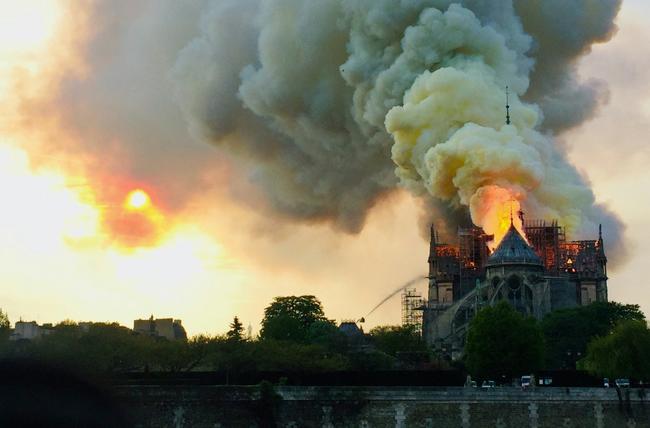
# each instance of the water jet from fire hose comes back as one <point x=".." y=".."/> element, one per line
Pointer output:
<point x="400" y="288"/>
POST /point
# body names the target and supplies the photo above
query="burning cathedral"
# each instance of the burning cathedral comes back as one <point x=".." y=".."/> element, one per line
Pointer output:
<point x="536" y="271"/>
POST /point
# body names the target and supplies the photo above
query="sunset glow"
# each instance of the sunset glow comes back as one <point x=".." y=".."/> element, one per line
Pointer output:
<point x="137" y="199"/>
<point x="26" y="25"/>
<point x="136" y="223"/>
<point x="34" y="195"/>
<point x="134" y="179"/>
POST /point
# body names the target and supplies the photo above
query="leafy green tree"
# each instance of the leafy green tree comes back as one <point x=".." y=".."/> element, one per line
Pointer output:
<point x="271" y="355"/>
<point x="236" y="331"/>
<point x="568" y="331"/>
<point x="175" y="355"/>
<point x="371" y="360"/>
<point x="170" y="355"/>
<point x="622" y="353"/>
<point x="5" y="326"/>
<point x="500" y="341"/>
<point x="395" y="340"/>
<point x="199" y="348"/>
<point x="325" y="333"/>
<point x="225" y="354"/>
<point x="110" y="347"/>
<point x="102" y="348"/>
<point x="289" y="318"/>
<point x="59" y="346"/>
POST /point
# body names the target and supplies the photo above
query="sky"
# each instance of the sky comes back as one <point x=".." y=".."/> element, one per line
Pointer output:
<point x="612" y="148"/>
<point x="85" y="123"/>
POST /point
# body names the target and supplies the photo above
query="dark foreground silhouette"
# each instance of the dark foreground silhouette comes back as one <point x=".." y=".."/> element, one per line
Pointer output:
<point x="33" y="394"/>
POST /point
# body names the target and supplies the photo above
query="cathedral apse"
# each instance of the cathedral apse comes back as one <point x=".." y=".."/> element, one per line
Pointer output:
<point x="536" y="269"/>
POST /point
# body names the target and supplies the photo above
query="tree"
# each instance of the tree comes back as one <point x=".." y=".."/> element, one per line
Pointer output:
<point x="325" y="333"/>
<point x="568" y="331"/>
<point x="5" y="326"/>
<point x="394" y="340"/>
<point x="101" y="348"/>
<point x="170" y="355"/>
<point x="60" y="346"/>
<point x="236" y="332"/>
<point x="289" y="318"/>
<point x="622" y="353"/>
<point x="109" y="347"/>
<point x="270" y="355"/>
<point x="500" y="341"/>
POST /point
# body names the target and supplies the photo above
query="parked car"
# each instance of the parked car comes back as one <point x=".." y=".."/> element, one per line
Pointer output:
<point x="623" y="383"/>
<point x="488" y="384"/>
<point x="525" y="381"/>
<point x="606" y="382"/>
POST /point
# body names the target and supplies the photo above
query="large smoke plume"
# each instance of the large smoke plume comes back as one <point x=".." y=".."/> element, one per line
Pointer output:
<point x="332" y="104"/>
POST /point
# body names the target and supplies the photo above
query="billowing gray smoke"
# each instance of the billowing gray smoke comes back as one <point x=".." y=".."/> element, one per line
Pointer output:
<point x="264" y="82"/>
<point x="331" y="104"/>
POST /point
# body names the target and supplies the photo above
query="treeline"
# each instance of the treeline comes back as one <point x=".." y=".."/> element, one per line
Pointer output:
<point x="605" y="338"/>
<point x="295" y="336"/>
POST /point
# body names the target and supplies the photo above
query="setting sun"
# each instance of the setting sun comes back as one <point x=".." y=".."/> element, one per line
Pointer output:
<point x="196" y="162"/>
<point x="137" y="199"/>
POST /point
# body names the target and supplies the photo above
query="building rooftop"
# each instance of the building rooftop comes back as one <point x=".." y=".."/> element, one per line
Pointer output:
<point x="350" y="328"/>
<point x="513" y="250"/>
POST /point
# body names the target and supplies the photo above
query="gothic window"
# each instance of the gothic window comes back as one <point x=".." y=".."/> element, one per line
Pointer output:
<point x="519" y="295"/>
<point x="514" y="282"/>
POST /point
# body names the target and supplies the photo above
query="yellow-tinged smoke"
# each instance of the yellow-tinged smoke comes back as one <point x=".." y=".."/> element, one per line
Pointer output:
<point x="419" y="83"/>
<point x="328" y="105"/>
<point x="452" y="139"/>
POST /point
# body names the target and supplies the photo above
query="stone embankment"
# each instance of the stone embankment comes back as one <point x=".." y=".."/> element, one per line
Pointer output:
<point x="382" y="407"/>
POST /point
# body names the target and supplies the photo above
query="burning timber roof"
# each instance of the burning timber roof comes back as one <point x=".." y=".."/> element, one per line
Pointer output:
<point x="513" y="250"/>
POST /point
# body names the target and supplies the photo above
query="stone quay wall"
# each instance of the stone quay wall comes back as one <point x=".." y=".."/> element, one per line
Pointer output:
<point x="382" y="407"/>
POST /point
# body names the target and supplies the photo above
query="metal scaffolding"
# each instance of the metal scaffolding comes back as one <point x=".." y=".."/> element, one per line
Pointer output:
<point x="412" y="308"/>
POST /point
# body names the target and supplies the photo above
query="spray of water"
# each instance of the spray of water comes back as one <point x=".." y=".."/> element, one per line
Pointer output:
<point x="400" y="288"/>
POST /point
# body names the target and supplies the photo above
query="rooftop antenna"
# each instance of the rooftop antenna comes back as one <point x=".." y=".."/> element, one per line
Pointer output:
<point x="507" y="106"/>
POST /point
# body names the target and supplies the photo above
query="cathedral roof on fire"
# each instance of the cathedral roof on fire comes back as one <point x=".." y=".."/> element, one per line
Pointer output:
<point x="513" y="250"/>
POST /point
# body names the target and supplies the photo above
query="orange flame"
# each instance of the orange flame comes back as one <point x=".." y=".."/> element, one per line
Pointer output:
<point x="494" y="209"/>
<point x="507" y="214"/>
